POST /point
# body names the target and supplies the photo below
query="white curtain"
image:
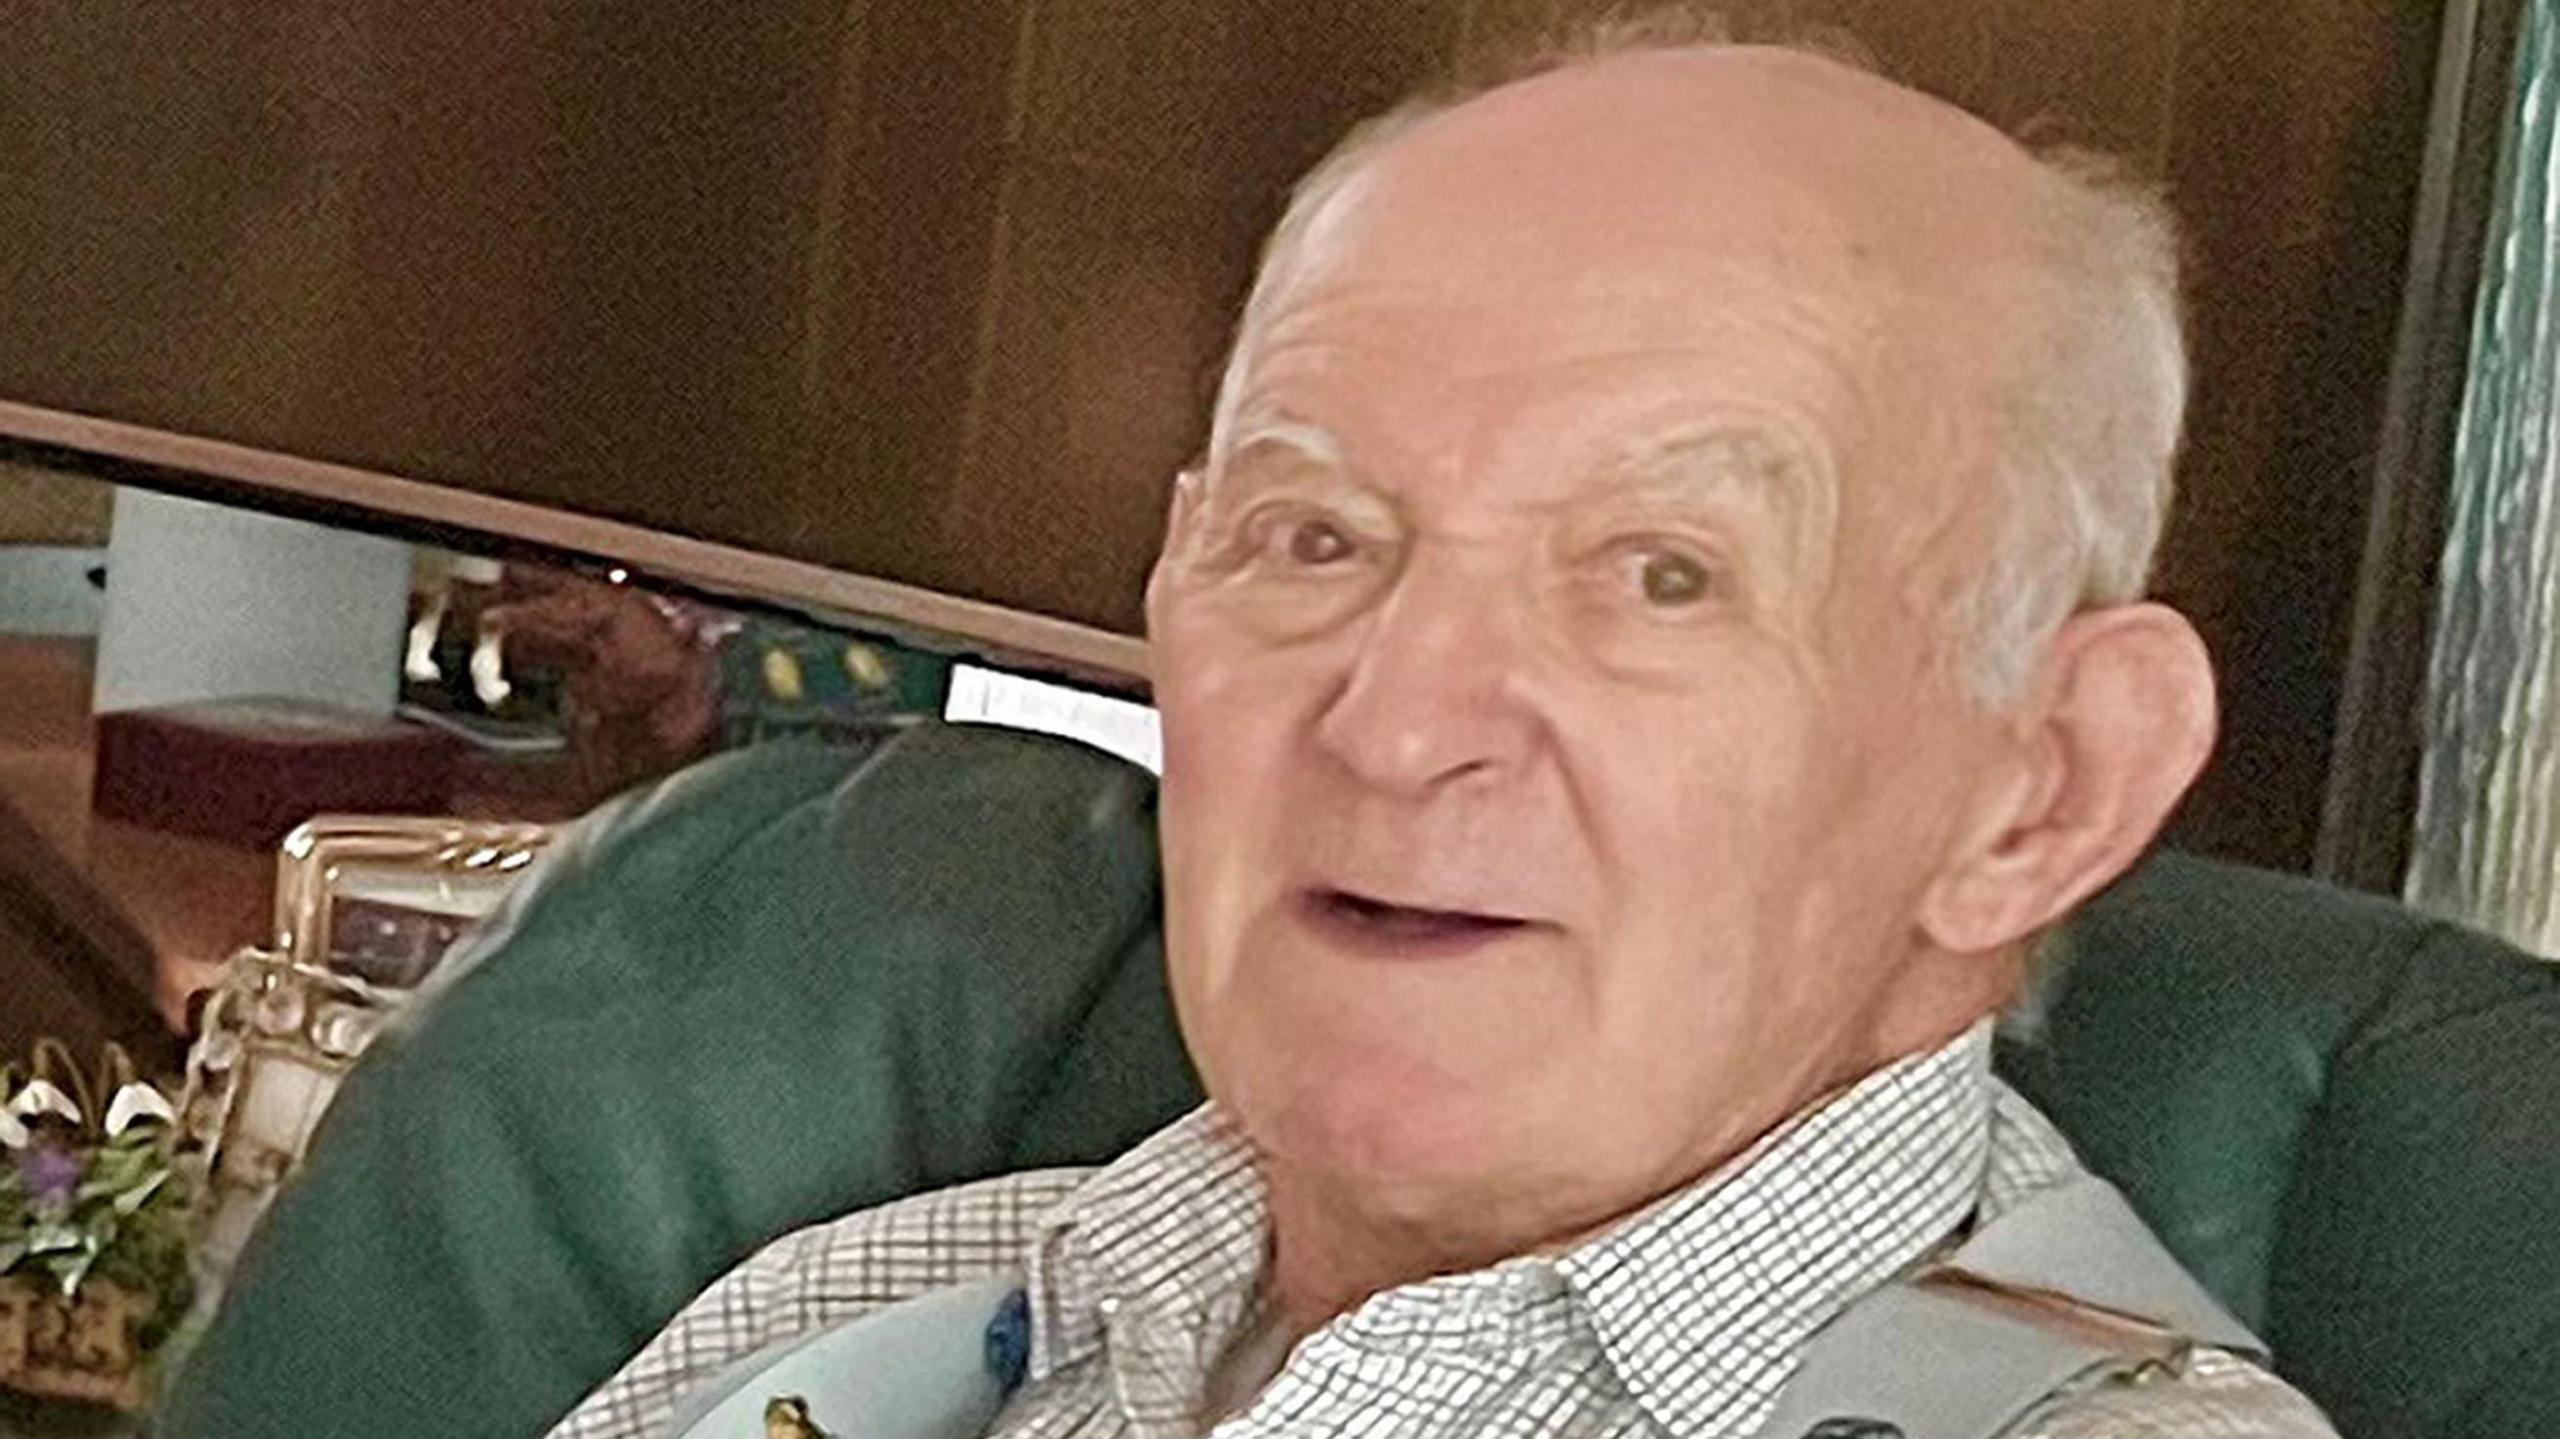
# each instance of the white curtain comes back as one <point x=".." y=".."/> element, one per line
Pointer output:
<point x="2487" y="846"/>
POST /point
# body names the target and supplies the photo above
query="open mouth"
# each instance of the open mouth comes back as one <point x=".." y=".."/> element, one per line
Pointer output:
<point x="1378" y="923"/>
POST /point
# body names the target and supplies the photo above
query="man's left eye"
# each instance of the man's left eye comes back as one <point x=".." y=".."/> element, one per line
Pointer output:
<point x="1671" y="579"/>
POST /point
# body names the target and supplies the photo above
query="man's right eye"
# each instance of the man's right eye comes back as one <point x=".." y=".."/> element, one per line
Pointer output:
<point x="1314" y="543"/>
<point x="1295" y="539"/>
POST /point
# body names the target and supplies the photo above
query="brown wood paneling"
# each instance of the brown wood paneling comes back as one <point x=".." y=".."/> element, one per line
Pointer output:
<point x="2091" y="72"/>
<point x="551" y="251"/>
<point x="1231" y="96"/>
<point x="897" y="296"/>
<point x="931" y="289"/>
<point x="679" y="147"/>
<point x="1152" y="146"/>
<point x="2295" y="160"/>
<point x="1109" y="322"/>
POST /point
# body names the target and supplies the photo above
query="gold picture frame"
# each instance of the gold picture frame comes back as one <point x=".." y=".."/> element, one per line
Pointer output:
<point x="290" y="1018"/>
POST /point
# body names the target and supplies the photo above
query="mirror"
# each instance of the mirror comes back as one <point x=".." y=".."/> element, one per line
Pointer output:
<point x="183" y="682"/>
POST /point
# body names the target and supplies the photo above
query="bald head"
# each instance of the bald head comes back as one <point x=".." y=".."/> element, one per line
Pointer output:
<point x="1705" y="148"/>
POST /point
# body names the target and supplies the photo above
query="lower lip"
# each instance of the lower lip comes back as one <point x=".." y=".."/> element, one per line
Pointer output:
<point x="1409" y="938"/>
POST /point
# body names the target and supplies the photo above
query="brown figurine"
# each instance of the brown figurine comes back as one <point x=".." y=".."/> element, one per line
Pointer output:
<point x="787" y="1417"/>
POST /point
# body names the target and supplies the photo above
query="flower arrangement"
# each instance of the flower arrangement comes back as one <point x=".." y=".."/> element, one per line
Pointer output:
<point x="94" y="1229"/>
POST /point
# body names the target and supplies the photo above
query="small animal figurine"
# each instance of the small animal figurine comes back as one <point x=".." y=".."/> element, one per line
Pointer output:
<point x="786" y="1416"/>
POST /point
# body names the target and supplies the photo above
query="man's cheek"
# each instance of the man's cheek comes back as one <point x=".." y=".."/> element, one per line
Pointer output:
<point x="1709" y="785"/>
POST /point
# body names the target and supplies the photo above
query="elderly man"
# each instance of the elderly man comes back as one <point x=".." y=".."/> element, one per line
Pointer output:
<point x="1654" y="639"/>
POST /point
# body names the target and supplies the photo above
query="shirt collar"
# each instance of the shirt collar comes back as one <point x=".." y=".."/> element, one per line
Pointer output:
<point x="1758" y="1255"/>
<point x="1174" y="1232"/>
<point x="1166" y="1246"/>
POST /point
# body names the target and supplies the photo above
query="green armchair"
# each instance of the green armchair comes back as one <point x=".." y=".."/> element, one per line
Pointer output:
<point x="791" y="982"/>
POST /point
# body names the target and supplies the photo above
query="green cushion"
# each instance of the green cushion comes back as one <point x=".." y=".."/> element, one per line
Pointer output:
<point x="2343" y="1117"/>
<point x="786" y="985"/>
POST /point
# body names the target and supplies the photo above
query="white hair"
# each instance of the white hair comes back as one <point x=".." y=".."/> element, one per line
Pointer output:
<point x="2091" y="414"/>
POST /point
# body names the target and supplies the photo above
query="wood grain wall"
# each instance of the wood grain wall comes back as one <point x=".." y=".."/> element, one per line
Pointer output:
<point x="1148" y="143"/>
<point x="936" y="289"/>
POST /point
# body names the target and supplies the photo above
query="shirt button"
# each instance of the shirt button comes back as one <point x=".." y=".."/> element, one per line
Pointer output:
<point x="1541" y="1281"/>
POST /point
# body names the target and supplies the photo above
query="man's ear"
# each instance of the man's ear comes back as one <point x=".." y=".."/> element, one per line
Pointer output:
<point x="2117" y="724"/>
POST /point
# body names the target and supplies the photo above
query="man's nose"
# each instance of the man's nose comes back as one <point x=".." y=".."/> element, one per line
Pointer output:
<point x="1431" y="697"/>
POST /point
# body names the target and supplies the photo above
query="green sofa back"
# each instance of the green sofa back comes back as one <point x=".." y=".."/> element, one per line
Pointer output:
<point x="2342" y="1116"/>
<point x="790" y="983"/>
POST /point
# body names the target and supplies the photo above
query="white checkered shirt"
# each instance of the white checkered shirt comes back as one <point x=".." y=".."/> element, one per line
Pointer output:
<point x="1685" y="1321"/>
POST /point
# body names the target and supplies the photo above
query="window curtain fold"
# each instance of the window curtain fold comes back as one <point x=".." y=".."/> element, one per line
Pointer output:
<point x="2487" y="843"/>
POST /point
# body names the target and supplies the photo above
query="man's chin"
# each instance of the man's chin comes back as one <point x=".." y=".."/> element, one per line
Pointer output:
<point x="1374" y="1133"/>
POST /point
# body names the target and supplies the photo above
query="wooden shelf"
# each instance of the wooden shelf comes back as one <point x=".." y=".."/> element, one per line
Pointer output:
<point x="345" y="494"/>
<point x="132" y="921"/>
<point x="158" y="913"/>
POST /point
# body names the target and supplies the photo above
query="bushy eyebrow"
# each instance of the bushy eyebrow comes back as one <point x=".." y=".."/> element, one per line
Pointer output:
<point x="1716" y="468"/>
<point x="1704" y="469"/>
<point x="1289" y="436"/>
<point x="1307" y="441"/>
<point x="1280" y="431"/>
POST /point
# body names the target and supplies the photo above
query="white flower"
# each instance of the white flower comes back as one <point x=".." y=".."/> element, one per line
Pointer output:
<point x="137" y="1101"/>
<point x="41" y="1097"/>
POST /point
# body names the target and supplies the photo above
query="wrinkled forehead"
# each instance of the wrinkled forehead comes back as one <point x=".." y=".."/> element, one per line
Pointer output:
<point x="1628" y="254"/>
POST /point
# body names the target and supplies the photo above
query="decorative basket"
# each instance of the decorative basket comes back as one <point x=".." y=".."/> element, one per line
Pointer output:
<point x="85" y="1349"/>
<point x="94" y="1224"/>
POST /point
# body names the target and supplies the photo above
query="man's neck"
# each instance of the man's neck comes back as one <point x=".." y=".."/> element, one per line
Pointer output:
<point x="1252" y="1359"/>
<point x="1326" y="1261"/>
<point x="1335" y="1244"/>
<point x="1329" y="1256"/>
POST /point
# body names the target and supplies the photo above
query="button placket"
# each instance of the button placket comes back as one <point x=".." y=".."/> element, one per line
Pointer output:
<point x="1157" y="1349"/>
